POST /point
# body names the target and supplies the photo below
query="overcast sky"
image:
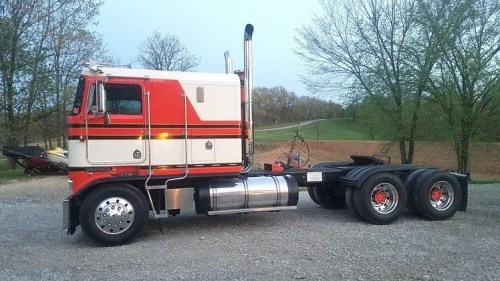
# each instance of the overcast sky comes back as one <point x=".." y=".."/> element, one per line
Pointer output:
<point x="209" y="28"/>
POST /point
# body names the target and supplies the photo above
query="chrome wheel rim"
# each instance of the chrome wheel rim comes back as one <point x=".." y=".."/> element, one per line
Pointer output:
<point x="441" y="195"/>
<point x="384" y="198"/>
<point x="114" y="215"/>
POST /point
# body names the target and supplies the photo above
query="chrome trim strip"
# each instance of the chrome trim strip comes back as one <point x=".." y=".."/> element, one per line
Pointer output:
<point x="252" y="210"/>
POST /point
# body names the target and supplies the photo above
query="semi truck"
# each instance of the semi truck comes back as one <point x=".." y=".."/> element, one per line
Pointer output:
<point x="147" y="143"/>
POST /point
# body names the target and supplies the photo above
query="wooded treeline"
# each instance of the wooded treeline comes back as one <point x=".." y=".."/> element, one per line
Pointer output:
<point x="277" y="105"/>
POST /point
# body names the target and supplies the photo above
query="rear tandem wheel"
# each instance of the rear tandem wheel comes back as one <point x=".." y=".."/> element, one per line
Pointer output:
<point x="410" y="184"/>
<point x="436" y="195"/>
<point x="310" y="191"/>
<point x="381" y="199"/>
<point x="327" y="198"/>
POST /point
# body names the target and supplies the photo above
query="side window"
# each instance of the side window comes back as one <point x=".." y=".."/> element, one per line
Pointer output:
<point x="123" y="99"/>
<point x="91" y="99"/>
<point x="77" y="103"/>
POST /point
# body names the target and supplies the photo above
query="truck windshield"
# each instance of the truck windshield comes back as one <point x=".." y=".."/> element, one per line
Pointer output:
<point x="77" y="104"/>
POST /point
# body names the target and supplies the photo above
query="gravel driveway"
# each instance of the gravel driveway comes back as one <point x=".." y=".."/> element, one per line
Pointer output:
<point x="310" y="243"/>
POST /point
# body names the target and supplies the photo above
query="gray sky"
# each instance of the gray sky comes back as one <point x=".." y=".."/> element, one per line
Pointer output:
<point x="209" y="28"/>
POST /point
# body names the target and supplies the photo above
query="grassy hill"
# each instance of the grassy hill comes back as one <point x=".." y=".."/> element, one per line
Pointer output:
<point x="330" y="129"/>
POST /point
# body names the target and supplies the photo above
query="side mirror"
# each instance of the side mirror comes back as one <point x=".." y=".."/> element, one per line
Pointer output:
<point x="107" y="119"/>
<point x="94" y="110"/>
<point x="100" y="97"/>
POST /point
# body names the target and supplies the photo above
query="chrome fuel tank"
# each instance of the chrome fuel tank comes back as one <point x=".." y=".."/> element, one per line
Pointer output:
<point x="253" y="194"/>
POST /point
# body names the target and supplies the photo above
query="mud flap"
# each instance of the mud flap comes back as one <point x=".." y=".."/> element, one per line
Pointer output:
<point x="462" y="179"/>
<point x="69" y="215"/>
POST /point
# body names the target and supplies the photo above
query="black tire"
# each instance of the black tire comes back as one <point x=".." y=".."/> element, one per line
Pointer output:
<point x="410" y="183"/>
<point x="114" y="213"/>
<point x="349" y="202"/>
<point x="437" y="195"/>
<point x="310" y="191"/>
<point x="327" y="198"/>
<point x="381" y="199"/>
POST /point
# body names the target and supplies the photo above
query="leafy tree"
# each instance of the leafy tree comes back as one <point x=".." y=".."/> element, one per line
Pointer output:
<point x="69" y="44"/>
<point x="372" y="120"/>
<point x="432" y="123"/>
<point x="165" y="52"/>
<point x="466" y="81"/>
<point x="28" y="68"/>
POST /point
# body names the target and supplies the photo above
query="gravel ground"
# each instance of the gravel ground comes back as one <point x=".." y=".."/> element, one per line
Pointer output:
<point x="309" y="243"/>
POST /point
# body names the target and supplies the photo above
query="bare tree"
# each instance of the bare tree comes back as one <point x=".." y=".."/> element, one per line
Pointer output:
<point x="380" y="50"/>
<point x="363" y="43"/>
<point x="165" y="53"/>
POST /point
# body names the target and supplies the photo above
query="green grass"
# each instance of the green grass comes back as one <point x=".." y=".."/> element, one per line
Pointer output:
<point x="331" y="129"/>
<point x="484" y="179"/>
<point x="7" y="174"/>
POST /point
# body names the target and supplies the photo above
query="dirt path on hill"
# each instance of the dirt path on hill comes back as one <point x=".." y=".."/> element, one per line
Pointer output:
<point x="301" y="124"/>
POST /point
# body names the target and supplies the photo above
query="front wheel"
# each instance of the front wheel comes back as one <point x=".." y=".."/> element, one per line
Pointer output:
<point x="381" y="199"/>
<point x="113" y="213"/>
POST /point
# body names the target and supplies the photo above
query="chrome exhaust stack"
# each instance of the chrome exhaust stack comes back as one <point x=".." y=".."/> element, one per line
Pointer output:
<point x="248" y="68"/>
<point x="229" y="62"/>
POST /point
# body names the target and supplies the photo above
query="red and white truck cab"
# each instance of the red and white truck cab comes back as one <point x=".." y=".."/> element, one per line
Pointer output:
<point x="167" y="121"/>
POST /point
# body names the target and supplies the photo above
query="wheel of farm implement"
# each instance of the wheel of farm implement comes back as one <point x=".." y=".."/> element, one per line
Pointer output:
<point x="327" y="198"/>
<point x="437" y="195"/>
<point x="410" y="183"/>
<point x="113" y="213"/>
<point x="381" y="199"/>
<point x="310" y="190"/>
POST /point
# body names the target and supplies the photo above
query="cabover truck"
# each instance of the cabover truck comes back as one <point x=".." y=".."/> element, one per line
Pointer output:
<point x="151" y="143"/>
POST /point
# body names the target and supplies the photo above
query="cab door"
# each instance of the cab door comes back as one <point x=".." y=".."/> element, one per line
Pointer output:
<point x="116" y="123"/>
